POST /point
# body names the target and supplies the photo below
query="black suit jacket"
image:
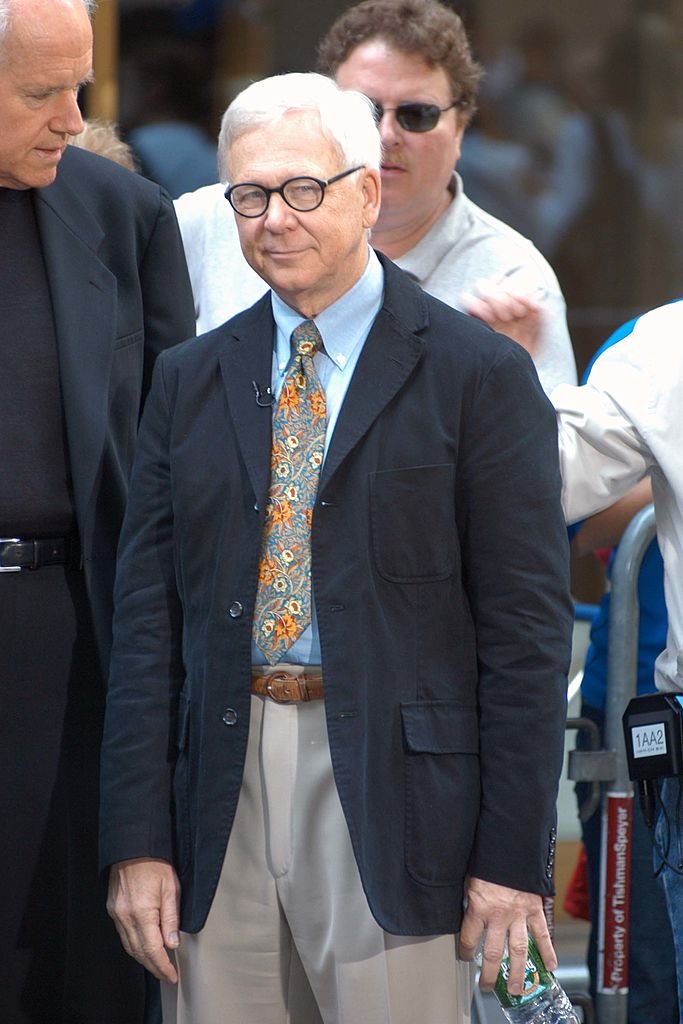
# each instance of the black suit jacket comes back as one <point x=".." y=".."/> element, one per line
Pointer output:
<point x="440" y="580"/>
<point x="120" y="295"/>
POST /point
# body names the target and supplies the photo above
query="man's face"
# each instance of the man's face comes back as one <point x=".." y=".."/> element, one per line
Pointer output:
<point x="45" y="58"/>
<point x="417" y="167"/>
<point x="309" y="259"/>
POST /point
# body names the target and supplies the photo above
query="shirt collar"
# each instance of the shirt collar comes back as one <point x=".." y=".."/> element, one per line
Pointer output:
<point x="343" y="326"/>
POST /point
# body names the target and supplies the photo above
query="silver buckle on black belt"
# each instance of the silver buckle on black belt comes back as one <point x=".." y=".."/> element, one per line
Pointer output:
<point x="3" y="542"/>
<point x="17" y="553"/>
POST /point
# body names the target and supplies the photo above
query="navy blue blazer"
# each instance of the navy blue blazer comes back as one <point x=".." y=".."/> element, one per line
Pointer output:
<point x="441" y="586"/>
<point x="120" y="295"/>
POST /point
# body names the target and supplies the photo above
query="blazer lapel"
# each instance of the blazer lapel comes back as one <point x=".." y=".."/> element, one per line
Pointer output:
<point x="83" y="294"/>
<point x="246" y="367"/>
<point x="390" y="354"/>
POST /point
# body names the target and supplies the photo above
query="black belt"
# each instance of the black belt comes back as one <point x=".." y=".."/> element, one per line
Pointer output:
<point x="17" y="553"/>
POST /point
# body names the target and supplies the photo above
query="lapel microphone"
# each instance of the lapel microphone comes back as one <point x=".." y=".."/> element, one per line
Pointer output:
<point x="264" y="399"/>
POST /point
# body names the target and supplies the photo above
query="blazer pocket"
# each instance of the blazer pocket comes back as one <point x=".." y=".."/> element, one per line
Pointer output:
<point x="412" y="513"/>
<point x="442" y="788"/>
<point x="129" y="339"/>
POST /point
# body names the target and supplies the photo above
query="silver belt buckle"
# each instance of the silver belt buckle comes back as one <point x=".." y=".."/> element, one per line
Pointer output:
<point x="10" y="568"/>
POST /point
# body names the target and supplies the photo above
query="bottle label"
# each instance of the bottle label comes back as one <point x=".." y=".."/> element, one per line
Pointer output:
<point x="536" y="979"/>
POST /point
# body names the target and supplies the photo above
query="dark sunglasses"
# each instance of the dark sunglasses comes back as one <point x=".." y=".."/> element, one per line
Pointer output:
<point x="414" y="117"/>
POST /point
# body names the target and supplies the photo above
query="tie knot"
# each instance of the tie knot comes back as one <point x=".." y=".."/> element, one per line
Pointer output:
<point x="306" y="339"/>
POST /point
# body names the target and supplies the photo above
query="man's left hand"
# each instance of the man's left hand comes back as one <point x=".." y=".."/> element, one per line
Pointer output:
<point x="499" y="915"/>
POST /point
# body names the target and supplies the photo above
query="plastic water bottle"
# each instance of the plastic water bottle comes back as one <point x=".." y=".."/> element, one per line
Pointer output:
<point x="543" y="1000"/>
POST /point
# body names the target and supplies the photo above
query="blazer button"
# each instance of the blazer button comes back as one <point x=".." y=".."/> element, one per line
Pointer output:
<point x="229" y="716"/>
<point x="235" y="610"/>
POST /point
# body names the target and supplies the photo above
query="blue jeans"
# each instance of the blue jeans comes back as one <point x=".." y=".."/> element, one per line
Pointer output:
<point x="652" y="997"/>
<point x="669" y="858"/>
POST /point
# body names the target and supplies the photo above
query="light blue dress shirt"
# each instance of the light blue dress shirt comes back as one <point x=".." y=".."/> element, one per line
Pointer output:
<point x="344" y="327"/>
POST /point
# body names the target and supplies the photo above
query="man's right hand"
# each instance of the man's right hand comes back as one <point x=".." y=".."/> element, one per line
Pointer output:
<point x="507" y="310"/>
<point x="143" y="901"/>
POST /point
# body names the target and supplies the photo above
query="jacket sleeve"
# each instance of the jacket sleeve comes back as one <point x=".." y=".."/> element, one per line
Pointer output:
<point x="515" y="560"/>
<point x="166" y="290"/>
<point x="138" y="749"/>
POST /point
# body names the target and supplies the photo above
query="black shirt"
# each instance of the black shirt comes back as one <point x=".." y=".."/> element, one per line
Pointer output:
<point x="35" y="491"/>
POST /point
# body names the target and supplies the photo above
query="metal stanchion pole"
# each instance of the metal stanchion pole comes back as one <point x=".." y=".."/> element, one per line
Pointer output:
<point x="617" y="811"/>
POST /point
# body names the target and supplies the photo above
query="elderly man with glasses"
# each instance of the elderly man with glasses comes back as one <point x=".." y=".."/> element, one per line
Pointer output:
<point x="337" y="696"/>
<point x="413" y="59"/>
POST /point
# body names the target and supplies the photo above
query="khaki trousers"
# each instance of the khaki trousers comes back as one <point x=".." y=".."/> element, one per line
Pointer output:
<point x="290" y="938"/>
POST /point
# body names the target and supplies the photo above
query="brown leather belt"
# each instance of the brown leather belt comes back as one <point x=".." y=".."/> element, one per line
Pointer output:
<point x="288" y="687"/>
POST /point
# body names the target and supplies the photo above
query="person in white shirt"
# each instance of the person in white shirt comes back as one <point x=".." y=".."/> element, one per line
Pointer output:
<point x="624" y="424"/>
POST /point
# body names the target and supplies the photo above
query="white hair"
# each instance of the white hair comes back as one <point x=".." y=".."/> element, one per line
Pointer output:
<point x="7" y="11"/>
<point x="346" y="116"/>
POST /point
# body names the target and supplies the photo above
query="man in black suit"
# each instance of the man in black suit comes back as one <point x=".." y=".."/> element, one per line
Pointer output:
<point x="93" y="286"/>
<point x="336" y="705"/>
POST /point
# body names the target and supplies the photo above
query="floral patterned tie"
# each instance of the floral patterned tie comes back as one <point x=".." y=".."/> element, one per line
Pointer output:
<point x="283" y="599"/>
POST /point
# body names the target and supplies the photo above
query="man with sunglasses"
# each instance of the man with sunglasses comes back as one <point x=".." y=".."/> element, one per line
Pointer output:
<point x="337" y="698"/>
<point x="413" y="60"/>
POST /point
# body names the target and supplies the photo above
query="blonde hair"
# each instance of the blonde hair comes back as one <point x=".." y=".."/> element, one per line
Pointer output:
<point x="102" y="137"/>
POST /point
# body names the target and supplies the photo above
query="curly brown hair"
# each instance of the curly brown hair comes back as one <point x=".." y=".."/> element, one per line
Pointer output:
<point x="423" y="27"/>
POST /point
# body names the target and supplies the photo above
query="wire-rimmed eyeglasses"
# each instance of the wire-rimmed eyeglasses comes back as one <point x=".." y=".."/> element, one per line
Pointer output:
<point x="414" y="117"/>
<point x="302" y="194"/>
